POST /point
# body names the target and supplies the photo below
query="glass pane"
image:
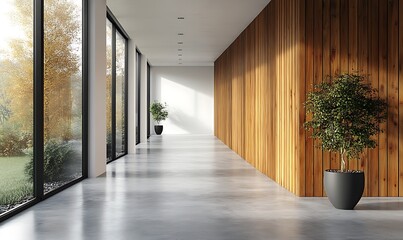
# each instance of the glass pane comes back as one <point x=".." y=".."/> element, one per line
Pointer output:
<point x="108" y="90"/>
<point x="63" y="92"/>
<point x="120" y="95"/>
<point x="138" y="86"/>
<point x="16" y="103"/>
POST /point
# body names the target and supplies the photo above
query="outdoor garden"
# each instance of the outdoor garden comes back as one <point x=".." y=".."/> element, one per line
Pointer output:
<point x="62" y="96"/>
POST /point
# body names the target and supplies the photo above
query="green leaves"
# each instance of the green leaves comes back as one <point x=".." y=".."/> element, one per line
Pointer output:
<point x="158" y="111"/>
<point x="345" y="114"/>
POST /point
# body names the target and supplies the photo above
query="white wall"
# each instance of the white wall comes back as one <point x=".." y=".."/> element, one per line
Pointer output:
<point x="97" y="88"/>
<point x="143" y="99"/>
<point x="189" y="93"/>
<point x="132" y="86"/>
<point x="97" y="91"/>
<point x="132" y="91"/>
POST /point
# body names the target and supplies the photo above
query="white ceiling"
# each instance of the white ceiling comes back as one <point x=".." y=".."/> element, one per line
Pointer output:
<point x="209" y="27"/>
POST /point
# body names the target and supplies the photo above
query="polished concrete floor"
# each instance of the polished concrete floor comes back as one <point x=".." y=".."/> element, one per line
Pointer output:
<point x="190" y="188"/>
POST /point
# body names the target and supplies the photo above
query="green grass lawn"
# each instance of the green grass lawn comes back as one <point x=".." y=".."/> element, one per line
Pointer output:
<point x="14" y="186"/>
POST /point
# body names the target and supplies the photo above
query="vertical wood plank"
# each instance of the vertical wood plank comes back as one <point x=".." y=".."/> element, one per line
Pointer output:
<point x="326" y="63"/>
<point x="265" y="100"/>
<point x="335" y="58"/>
<point x="373" y="157"/>
<point x="238" y="99"/>
<point x="363" y="69"/>
<point x="227" y="92"/>
<point x="249" y="97"/>
<point x="393" y="92"/>
<point x="309" y="58"/>
<point x="400" y="98"/>
<point x="256" y="96"/>
<point x="272" y="108"/>
<point x="383" y="94"/>
<point x="318" y="34"/>
<point x="344" y="37"/>
<point x="353" y="52"/>
<point x="300" y="98"/>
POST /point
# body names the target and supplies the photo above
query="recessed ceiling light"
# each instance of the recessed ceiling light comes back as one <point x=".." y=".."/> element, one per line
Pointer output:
<point x="180" y="42"/>
<point x="180" y="34"/>
<point x="181" y="18"/>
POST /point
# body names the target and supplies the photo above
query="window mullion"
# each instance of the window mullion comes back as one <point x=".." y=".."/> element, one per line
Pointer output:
<point x="113" y="92"/>
<point x="38" y="144"/>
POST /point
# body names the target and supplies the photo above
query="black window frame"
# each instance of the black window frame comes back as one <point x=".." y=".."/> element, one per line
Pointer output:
<point x="117" y="28"/>
<point x="138" y="95"/>
<point x="38" y="109"/>
<point x="148" y="99"/>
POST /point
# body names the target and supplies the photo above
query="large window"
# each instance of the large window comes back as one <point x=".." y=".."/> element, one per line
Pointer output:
<point x="42" y="81"/>
<point x="109" y="90"/>
<point x="148" y="98"/>
<point x="16" y="103"/>
<point x="120" y="95"/>
<point x="116" y="100"/>
<point x="138" y="94"/>
<point x="63" y="92"/>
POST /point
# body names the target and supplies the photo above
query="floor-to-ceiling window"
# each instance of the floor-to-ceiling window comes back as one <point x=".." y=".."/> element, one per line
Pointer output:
<point x="138" y="94"/>
<point x="148" y="98"/>
<point x="16" y="103"/>
<point x="42" y="109"/>
<point x="116" y="100"/>
<point x="109" y="54"/>
<point x="62" y="92"/>
<point x="120" y="112"/>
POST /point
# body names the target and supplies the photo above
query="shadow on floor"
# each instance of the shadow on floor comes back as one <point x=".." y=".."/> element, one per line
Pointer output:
<point x="391" y="206"/>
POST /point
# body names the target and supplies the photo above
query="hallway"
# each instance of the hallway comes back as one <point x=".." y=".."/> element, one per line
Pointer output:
<point x="192" y="187"/>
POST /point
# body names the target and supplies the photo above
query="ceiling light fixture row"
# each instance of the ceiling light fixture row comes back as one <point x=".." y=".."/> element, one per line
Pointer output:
<point x="180" y="43"/>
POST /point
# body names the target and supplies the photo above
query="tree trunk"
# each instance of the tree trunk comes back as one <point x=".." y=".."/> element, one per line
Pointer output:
<point x="343" y="166"/>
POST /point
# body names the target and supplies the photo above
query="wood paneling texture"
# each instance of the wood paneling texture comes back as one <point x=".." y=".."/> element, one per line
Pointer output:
<point x="318" y="77"/>
<point x="259" y="70"/>
<point x="373" y="158"/>
<point x="262" y="79"/>
<point x="362" y="36"/>
<point x="400" y="98"/>
<point x="383" y="77"/>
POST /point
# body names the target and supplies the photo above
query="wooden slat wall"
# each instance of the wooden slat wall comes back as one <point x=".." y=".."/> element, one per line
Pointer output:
<point x="362" y="36"/>
<point x="262" y="79"/>
<point x="265" y="99"/>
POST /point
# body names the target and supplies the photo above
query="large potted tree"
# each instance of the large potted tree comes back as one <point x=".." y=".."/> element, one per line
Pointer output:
<point x="346" y="113"/>
<point x="159" y="113"/>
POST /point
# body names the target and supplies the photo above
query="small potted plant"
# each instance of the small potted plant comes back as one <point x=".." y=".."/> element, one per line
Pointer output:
<point x="159" y="113"/>
<point x="346" y="113"/>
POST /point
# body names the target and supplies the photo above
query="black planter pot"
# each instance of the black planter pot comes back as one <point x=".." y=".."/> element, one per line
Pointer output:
<point x="158" y="129"/>
<point x="344" y="189"/>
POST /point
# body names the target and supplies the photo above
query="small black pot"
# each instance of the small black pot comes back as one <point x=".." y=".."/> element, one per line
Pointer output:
<point x="344" y="189"/>
<point x="158" y="129"/>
